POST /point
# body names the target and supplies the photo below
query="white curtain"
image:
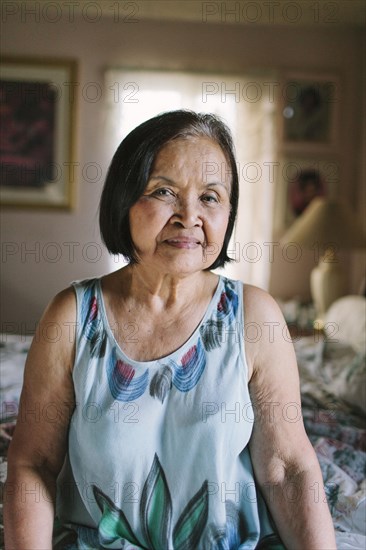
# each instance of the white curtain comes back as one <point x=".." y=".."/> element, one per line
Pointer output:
<point x="246" y="105"/>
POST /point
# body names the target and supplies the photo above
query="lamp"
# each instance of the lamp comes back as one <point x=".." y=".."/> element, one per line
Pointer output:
<point x="330" y="225"/>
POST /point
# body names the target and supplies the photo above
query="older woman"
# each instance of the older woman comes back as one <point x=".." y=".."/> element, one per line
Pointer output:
<point x="168" y="420"/>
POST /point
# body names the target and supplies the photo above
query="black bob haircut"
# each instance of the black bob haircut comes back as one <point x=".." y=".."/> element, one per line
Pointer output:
<point x="131" y="167"/>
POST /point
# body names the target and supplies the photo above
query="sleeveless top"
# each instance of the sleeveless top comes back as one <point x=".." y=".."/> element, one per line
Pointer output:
<point x="158" y="452"/>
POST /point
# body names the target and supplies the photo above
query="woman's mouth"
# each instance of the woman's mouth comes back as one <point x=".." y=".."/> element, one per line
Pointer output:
<point x="183" y="242"/>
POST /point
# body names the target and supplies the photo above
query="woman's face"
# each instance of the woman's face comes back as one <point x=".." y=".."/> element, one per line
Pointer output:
<point x="179" y="223"/>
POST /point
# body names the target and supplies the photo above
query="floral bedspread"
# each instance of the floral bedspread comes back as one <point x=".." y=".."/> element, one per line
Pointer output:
<point x="333" y="380"/>
<point x="333" y="390"/>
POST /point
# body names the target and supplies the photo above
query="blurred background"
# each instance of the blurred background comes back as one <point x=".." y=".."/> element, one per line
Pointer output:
<point x="250" y="62"/>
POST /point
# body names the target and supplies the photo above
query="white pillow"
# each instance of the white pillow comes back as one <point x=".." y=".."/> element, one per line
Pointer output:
<point x="345" y="322"/>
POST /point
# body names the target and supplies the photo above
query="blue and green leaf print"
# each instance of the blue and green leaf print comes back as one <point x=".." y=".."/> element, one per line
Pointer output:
<point x="155" y="516"/>
<point x="192" y="521"/>
<point x="113" y="526"/>
<point x="156" y="507"/>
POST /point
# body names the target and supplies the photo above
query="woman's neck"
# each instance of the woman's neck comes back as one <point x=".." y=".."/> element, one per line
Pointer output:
<point x="162" y="291"/>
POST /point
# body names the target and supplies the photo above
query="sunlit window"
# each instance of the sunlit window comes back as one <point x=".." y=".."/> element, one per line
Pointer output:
<point x="135" y="96"/>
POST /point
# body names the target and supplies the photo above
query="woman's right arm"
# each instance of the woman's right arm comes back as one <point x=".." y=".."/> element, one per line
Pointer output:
<point x="39" y="445"/>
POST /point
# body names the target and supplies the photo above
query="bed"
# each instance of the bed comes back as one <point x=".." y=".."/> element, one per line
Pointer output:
<point x="332" y="373"/>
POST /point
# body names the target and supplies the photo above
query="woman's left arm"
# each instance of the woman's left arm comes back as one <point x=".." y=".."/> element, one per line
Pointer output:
<point x="285" y="464"/>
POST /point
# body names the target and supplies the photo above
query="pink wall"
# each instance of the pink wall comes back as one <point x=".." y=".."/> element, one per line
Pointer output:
<point x="30" y="280"/>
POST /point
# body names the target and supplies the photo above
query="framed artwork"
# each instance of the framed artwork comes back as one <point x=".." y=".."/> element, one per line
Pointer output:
<point x="310" y="110"/>
<point x="37" y="114"/>
<point x="300" y="181"/>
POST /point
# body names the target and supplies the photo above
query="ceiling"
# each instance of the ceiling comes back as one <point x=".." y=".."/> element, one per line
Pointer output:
<point x="294" y="13"/>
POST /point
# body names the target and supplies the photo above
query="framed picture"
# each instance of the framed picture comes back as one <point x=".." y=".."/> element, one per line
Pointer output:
<point x="300" y="180"/>
<point x="310" y="110"/>
<point x="37" y="114"/>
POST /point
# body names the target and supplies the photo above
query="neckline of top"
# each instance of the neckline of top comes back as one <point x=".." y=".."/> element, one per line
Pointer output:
<point x="171" y="356"/>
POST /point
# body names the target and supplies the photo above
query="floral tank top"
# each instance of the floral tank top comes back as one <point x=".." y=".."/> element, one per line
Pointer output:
<point x="158" y="453"/>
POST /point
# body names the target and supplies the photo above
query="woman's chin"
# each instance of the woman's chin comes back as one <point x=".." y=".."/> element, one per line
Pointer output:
<point x="188" y="262"/>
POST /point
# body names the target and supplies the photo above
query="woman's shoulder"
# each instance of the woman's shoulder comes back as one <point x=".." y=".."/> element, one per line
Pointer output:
<point x="59" y="314"/>
<point x="54" y="338"/>
<point x="259" y="305"/>
<point x="263" y="327"/>
<point x="62" y="304"/>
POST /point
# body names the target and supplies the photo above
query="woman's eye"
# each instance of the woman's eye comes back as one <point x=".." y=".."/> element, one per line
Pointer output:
<point x="210" y="198"/>
<point x="163" y="193"/>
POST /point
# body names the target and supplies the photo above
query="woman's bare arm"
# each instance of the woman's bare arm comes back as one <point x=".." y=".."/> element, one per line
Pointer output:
<point x="284" y="462"/>
<point x="38" y="448"/>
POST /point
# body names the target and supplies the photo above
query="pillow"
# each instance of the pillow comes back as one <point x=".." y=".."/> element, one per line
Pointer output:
<point x="345" y="322"/>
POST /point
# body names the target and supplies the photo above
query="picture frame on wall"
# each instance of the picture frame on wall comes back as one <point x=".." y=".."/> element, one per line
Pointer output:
<point x="37" y="116"/>
<point x="301" y="179"/>
<point x="310" y="112"/>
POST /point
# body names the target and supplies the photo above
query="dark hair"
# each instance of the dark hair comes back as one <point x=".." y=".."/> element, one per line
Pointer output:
<point x="131" y="167"/>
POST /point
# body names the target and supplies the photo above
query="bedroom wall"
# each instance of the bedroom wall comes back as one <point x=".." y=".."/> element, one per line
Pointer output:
<point x="29" y="279"/>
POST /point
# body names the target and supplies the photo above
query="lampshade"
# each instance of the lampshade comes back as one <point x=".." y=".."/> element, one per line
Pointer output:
<point x="329" y="224"/>
<point x="326" y="221"/>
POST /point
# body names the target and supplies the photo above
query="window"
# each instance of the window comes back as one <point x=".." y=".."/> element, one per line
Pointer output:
<point x="135" y="96"/>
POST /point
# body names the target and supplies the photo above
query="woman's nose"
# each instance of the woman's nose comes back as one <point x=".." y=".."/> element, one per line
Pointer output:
<point x="187" y="213"/>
